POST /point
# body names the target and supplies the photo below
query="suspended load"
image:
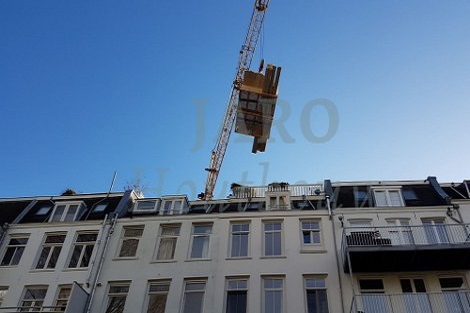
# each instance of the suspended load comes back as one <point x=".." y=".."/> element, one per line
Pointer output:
<point x="256" y="105"/>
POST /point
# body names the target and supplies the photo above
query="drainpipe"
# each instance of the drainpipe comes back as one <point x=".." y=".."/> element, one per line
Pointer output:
<point x="101" y="262"/>
<point x="338" y="267"/>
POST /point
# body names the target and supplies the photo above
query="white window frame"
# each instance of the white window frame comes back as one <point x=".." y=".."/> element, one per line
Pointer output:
<point x="239" y="233"/>
<point x="84" y="248"/>
<point x="124" y="238"/>
<point x="3" y="293"/>
<point x="278" y="201"/>
<point x="387" y="197"/>
<point x="273" y="232"/>
<point x="267" y="289"/>
<point x="162" y="289"/>
<point x="241" y="284"/>
<point x="35" y="304"/>
<point x="17" y="247"/>
<point x="187" y="291"/>
<point x="204" y="254"/>
<point x="52" y="246"/>
<point x="174" y="239"/>
<point x="61" y="302"/>
<point x="81" y="207"/>
<point x="111" y="294"/>
<point x="311" y="232"/>
<point x="320" y="286"/>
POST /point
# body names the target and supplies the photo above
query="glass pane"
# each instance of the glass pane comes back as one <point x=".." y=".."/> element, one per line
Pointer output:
<point x="239" y="245"/>
<point x="166" y="249"/>
<point x="54" y="257"/>
<point x="200" y="247"/>
<point x="157" y="303"/>
<point x="272" y="226"/>
<point x="86" y="256"/>
<point x="273" y="244"/>
<point x="159" y="287"/>
<point x="133" y="232"/>
<point x="55" y="239"/>
<point x="380" y="198"/>
<point x="8" y="256"/>
<point x="395" y="197"/>
<point x="118" y="289"/>
<point x="43" y="257"/>
<point x="116" y="305"/>
<point x="193" y="302"/>
<point x="273" y="301"/>
<point x="86" y="238"/>
<point x="195" y="286"/>
<point x="170" y="231"/>
<point x="75" y="256"/>
<point x="70" y="215"/>
<point x="58" y="213"/>
<point x="206" y="229"/>
<point x="129" y="247"/>
<point x="236" y="302"/>
<point x="18" y="241"/>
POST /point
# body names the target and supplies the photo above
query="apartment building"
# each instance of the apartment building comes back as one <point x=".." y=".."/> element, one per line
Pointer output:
<point x="394" y="246"/>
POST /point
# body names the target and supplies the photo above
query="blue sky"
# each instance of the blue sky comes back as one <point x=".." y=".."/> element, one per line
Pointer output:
<point x="88" y="88"/>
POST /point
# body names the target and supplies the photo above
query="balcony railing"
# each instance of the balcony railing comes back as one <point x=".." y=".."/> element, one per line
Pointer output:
<point x="243" y="192"/>
<point x="48" y="309"/>
<point x="437" y="234"/>
<point x="438" y="302"/>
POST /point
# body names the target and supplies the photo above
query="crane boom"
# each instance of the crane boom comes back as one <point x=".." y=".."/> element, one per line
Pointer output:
<point x="246" y="55"/>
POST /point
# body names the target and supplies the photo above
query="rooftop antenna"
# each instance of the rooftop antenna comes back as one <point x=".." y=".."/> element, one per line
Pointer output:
<point x="112" y="183"/>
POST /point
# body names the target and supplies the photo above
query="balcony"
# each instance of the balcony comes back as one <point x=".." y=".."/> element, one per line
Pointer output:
<point x="438" y="302"/>
<point x="243" y="192"/>
<point x="406" y="248"/>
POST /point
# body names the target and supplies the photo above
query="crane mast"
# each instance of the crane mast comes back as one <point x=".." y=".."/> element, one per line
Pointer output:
<point x="246" y="55"/>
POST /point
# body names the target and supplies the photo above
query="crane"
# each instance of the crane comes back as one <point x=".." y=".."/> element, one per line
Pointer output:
<point x="246" y="55"/>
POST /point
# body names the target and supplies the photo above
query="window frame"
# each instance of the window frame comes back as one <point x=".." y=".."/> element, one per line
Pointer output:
<point x="206" y="255"/>
<point x="52" y="246"/>
<point x="150" y="293"/>
<point x="84" y="245"/>
<point x="3" y="293"/>
<point x="162" y="236"/>
<point x="312" y="245"/>
<point x="264" y="290"/>
<point x="15" y="248"/>
<point x="33" y="300"/>
<point x="228" y="289"/>
<point x="124" y="238"/>
<point x="58" y="299"/>
<point x="81" y="207"/>
<point x="186" y="292"/>
<point x="281" y="238"/>
<point x="111" y="295"/>
<point x="316" y="288"/>
<point x="240" y="233"/>
<point x="388" y="199"/>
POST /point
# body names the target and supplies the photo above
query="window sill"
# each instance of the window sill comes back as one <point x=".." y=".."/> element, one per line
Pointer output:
<point x="197" y="260"/>
<point x="40" y="270"/>
<point x="75" y="269"/>
<point x="125" y="258"/>
<point x="239" y="258"/>
<point x="313" y="250"/>
<point x="273" y="257"/>
<point x="164" y="261"/>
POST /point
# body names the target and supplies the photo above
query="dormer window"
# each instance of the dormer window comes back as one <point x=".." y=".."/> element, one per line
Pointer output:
<point x="174" y="206"/>
<point x="67" y="211"/>
<point x="388" y="197"/>
<point x="278" y="201"/>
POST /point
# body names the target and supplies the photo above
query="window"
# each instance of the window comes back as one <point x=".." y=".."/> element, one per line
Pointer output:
<point x="361" y="196"/>
<point x="400" y="231"/>
<point x="130" y="238"/>
<point x="43" y="210"/>
<point x="200" y="241"/>
<point x="117" y="295"/>
<point x="62" y="298"/>
<point x="14" y="250"/>
<point x="83" y="248"/>
<point x="310" y="231"/>
<point x="50" y="251"/>
<point x="388" y="197"/>
<point x="435" y="230"/>
<point x="315" y="292"/>
<point x="455" y="300"/>
<point x="167" y="244"/>
<point x="414" y="295"/>
<point x="157" y="295"/>
<point x="279" y="202"/>
<point x="3" y="293"/>
<point x="67" y="212"/>
<point x="239" y="239"/>
<point x="100" y="208"/>
<point x="273" y="293"/>
<point x="272" y="238"/>
<point x="372" y="291"/>
<point x="193" y="296"/>
<point x="33" y="298"/>
<point x="237" y="290"/>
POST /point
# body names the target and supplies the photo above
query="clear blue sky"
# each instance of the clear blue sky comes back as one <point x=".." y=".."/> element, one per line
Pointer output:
<point x="88" y="88"/>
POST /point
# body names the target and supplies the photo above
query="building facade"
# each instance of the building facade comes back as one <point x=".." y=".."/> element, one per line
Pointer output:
<point x="394" y="246"/>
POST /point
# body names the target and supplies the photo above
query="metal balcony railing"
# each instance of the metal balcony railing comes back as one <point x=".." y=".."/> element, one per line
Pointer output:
<point x="434" y="302"/>
<point x="48" y="309"/>
<point x="243" y="192"/>
<point x="432" y="234"/>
